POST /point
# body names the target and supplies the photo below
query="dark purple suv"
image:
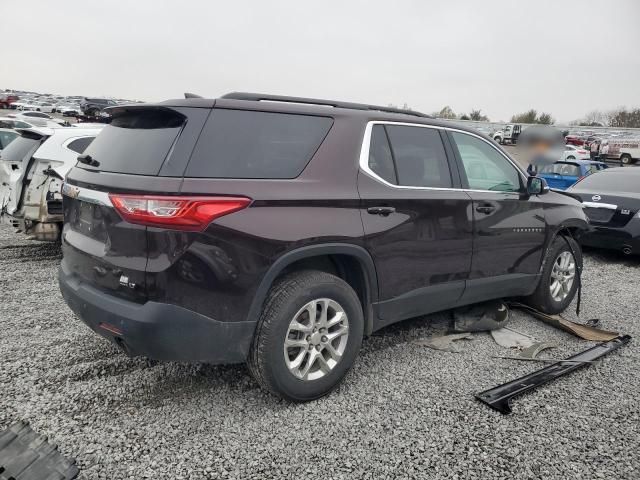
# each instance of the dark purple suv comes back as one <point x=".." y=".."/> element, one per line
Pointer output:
<point x="279" y="231"/>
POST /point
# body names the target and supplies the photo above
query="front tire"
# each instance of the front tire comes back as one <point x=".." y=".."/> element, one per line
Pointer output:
<point x="625" y="159"/>
<point x="559" y="282"/>
<point x="308" y="336"/>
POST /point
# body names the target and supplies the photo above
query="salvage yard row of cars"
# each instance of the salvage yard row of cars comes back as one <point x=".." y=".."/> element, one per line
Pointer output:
<point x="68" y="106"/>
<point x="278" y="232"/>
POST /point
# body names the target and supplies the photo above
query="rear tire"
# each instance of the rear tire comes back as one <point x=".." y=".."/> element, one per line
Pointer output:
<point x="625" y="159"/>
<point x="287" y="317"/>
<point x="553" y="293"/>
<point x="571" y="157"/>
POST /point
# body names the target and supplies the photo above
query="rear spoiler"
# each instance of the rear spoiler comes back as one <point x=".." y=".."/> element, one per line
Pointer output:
<point x="35" y="132"/>
<point x="167" y="105"/>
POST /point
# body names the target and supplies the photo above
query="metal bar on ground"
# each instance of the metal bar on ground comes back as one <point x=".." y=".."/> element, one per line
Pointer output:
<point x="498" y="397"/>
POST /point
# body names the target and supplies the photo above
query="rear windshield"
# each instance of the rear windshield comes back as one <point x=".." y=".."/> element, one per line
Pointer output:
<point x="569" y="169"/>
<point x="136" y="142"/>
<point x="19" y="149"/>
<point x="248" y="144"/>
<point x="611" y="182"/>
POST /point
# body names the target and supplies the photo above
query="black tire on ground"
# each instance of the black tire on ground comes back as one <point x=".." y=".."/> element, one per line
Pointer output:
<point x="288" y="295"/>
<point x="625" y="159"/>
<point x="542" y="298"/>
<point x="571" y="157"/>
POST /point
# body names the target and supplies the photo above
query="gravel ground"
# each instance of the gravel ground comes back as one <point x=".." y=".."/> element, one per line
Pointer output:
<point x="404" y="411"/>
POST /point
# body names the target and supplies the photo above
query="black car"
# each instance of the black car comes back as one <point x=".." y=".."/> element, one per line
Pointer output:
<point x="93" y="106"/>
<point x="279" y="231"/>
<point x="611" y="200"/>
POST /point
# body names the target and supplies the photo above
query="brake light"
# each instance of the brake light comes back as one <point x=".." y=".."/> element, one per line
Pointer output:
<point x="192" y="214"/>
<point x="582" y="151"/>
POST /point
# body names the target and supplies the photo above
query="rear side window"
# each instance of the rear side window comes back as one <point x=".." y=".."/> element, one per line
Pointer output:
<point x="419" y="157"/>
<point x="136" y="142"/>
<point x="80" y="145"/>
<point x="249" y="144"/>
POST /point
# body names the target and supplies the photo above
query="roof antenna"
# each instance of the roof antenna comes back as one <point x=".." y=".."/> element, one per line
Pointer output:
<point x="192" y="95"/>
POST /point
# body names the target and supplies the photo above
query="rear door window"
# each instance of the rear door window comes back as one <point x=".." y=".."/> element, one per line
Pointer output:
<point x="249" y="144"/>
<point x="136" y="142"/>
<point x="419" y="156"/>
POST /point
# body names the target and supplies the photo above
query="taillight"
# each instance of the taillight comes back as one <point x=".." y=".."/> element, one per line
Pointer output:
<point x="179" y="213"/>
<point x="582" y="151"/>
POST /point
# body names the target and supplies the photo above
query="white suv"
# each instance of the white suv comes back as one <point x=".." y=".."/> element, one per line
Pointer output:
<point x="32" y="170"/>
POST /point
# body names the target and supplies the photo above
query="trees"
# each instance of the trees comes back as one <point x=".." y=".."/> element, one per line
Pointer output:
<point x="446" y="112"/>
<point x="531" y="116"/>
<point x="477" y="116"/>
<point x="623" y="118"/>
<point x="545" y="119"/>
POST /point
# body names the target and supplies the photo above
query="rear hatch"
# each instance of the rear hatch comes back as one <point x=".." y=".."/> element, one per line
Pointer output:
<point x="15" y="162"/>
<point x="143" y="151"/>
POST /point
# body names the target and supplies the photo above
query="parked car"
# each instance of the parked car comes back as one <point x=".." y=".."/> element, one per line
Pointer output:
<point x="24" y="104"/>
<point x="31" y="177"/>
<point x="626" y="151"/>
<point x="68" y="110"/>
<point x="93" y="106"/>
<point x="326" y="223"/>
<point x="575" y="140"/>
<point x="38" y="118"/>
<point x="6" y="137"/>
<point x="13" y="123"/>
<point x="45" y="107"/>
<point x="7" y="100"/>
<point x="561" y="175"/>
<point x="571" y="152"/>
<point x="611" y="200"/>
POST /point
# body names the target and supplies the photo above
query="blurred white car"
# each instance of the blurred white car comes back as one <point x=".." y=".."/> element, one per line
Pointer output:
<point x="68" y="109"/>
<point x="45" y="107"/>
<point x="571" y="152"/>
<point x="32" y="171"/>
<point x="40" y="119"/>
<point x="8" y="122"/>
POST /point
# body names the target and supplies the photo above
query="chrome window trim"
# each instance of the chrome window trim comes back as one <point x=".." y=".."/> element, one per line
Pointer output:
<point x="608" y="206"/>
<point x="86" y="195"/>
<point x="366" y="145"/>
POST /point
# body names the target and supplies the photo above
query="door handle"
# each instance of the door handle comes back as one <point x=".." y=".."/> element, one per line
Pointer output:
<point x="485" y="209"/>
<point x="384" y="211"/>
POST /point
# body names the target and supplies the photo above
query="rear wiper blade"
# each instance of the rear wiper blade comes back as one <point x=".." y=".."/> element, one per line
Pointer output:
<point x="88" y="160"/>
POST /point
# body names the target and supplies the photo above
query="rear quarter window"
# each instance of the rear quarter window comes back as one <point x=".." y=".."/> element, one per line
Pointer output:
<point x="80" y="144"/>
<point x="250" y="144"/>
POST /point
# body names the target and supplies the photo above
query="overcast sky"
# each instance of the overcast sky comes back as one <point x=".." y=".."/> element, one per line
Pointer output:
<point x="504" y="57"/>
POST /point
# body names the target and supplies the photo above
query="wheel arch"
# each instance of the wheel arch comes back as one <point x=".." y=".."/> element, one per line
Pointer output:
<point x="342" y="257"/>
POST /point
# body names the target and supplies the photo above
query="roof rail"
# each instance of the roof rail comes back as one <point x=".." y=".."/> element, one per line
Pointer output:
<point x="257" y="97"/>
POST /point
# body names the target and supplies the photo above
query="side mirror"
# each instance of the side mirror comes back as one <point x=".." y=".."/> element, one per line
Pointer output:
<point x="537" y="186"/>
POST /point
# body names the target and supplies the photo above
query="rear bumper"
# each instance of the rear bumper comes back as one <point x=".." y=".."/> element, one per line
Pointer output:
<point x="614" y="238"/>
<point x="156" y="330"/>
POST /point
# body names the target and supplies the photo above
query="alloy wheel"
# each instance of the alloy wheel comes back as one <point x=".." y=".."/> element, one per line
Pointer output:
<point x="562" y="276"/>
<point x="316" y="339"/>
